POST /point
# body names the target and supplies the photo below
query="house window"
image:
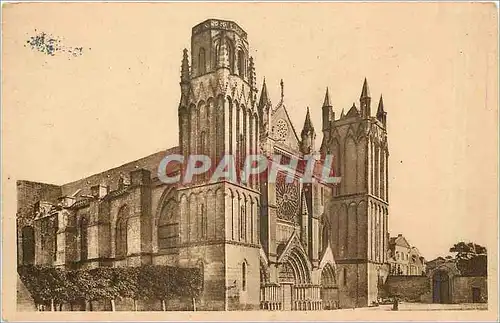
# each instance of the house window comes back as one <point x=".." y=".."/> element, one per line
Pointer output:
<point x="345" y="276"/>
<point x="121" y="232"/>
<point x="244" y="276"/>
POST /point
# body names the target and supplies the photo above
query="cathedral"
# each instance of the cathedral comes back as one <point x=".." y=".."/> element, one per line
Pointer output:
<point x="271" y="245"/>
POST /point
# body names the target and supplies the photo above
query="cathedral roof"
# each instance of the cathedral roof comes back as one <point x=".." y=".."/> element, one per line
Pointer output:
<point x="353" y="112"/>
<point x="112" y="176"/>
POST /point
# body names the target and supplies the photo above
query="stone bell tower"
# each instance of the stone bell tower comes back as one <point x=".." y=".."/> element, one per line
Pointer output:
<point x="218" y="119"/>
<point x="359" y="211"/>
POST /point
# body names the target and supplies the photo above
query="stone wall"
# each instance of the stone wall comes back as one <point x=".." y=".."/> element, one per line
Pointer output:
<point x="463" y="289"/>
<point x="409" y="288"/>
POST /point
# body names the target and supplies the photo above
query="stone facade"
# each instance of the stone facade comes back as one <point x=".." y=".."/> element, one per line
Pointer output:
<point x="442" y="284"/>
<point x="404" y="259"/>
<point x="276" y="245"/>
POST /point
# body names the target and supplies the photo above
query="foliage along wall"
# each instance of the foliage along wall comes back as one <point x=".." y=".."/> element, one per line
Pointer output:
<point x="53" y="286"/>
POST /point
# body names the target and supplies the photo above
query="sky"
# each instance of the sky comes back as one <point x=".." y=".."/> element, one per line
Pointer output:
<point x="115" y="100"/>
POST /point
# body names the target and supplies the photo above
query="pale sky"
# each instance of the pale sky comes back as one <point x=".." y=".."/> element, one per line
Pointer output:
<point x="65" y="117"/>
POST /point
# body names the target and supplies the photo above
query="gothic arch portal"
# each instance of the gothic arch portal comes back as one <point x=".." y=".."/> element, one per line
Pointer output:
<point x="295" y="268"/>
<point x="329" y="288"/>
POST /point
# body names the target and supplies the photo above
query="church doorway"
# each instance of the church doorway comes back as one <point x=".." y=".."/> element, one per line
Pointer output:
<point x="329" y="288"/>
<point x="441" y="288"/>
<point x="295" y="281"/>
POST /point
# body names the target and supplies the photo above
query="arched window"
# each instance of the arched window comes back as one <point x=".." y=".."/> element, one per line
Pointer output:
<point x="244" y="276"/>
<point x="168" y="227"/>
<point x="243" y="223"/>
<point x="203" y="222"/>
<point x="28" y="245"/>
<point x="121" y="232"/>
<point x="83" y="238"/>
<point x="345" y="276"/>
<point x="241" y="63"/>
<point x="230" y="53"/>
<point x="216" y="55"/>
<point x="203" y="142"/>
<point x="202" y="67"/>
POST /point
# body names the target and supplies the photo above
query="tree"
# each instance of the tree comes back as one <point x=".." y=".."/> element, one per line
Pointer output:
<point x="105" y="287"/>
<point x="471" y="258"/>
<point x="47" y="285"/>
<point x="85" y="286"/>
<point x="126" y="283"/>
<point x="155" y="282"/>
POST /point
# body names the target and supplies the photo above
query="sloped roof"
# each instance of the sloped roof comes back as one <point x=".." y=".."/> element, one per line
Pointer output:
<point x="111" y="176"/>
<point x="400" y="240"/>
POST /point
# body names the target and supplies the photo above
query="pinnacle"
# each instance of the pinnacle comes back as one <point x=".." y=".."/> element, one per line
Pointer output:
<point x="264" y="97"/>
<point x="365" y="92"/>
<point x="380" y="109"/>
<point x="326" y="102"/>
<point x="308" y="123"/>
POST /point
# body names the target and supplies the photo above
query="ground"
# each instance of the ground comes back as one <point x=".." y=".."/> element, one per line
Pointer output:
<point x="429" y="307"/>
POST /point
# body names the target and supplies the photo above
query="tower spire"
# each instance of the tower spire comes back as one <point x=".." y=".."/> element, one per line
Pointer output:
<point x="365" y="91"/>
<point x="307" y="135"/>
<point x="326" y="102"/>
<point x="308" y="126"/>
<point x="264" y="108"/>
<point x="365" y="100"/>
<point x="381" y="114"/>
<point x="252" y="80"/>
<point x="282" y="90"/>
<point x="327" y="113"/>
<point x="264" y="97"/>
<point x="185" y="78"/>
<point x="185" y="67"/>
<point x="380" y="109"/>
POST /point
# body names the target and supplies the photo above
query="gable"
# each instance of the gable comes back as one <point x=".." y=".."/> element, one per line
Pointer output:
<point x="282" y="129"/>
<point x="402" y="242"/>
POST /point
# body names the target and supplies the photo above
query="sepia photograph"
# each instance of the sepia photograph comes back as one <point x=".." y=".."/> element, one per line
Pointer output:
<point x="265" y="161"/>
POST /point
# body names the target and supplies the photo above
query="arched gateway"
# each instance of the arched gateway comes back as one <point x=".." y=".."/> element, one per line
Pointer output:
<point x="298" y="285"/>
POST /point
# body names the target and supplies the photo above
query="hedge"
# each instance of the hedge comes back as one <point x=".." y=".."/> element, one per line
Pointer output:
<point x="56" y="286"/>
